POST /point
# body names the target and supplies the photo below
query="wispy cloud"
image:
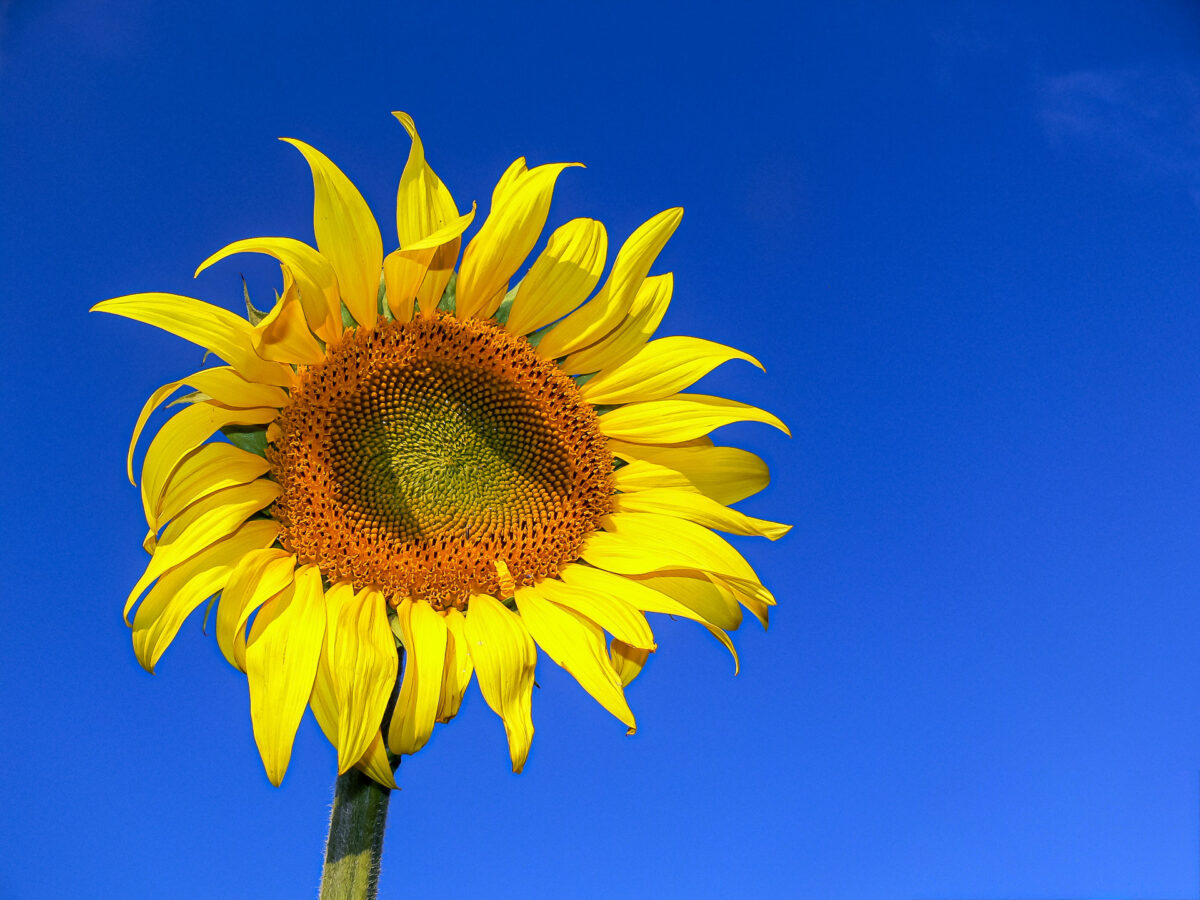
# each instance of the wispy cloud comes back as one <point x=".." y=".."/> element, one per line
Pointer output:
<point x="1144" y="117"/>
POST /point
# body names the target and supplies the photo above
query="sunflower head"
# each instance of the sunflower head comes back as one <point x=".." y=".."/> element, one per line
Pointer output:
<point x="402" y="461"/>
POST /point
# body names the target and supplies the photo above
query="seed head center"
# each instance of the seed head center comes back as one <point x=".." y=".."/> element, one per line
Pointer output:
<point x="417" y="455"/>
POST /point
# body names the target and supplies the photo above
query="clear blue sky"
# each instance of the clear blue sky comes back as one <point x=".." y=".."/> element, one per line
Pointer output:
<point x="963" y="238"/>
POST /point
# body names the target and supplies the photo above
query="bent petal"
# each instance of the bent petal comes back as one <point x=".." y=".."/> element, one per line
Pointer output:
<point x="423" y="633"/>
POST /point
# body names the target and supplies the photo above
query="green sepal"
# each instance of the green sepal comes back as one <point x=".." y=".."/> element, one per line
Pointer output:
<point x="254" y="316"/>
<point x="347" y="319"/>
<point x="446" y="304"/>
<point x="581" y="380"/>
<point x="505" y="307"/>
<point x="251" y="438"/>
<point x="385" y="311"/>
<point x="536" y="338"/>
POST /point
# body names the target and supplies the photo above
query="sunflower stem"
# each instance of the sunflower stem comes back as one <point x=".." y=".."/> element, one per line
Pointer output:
<point x="355" y="844"/>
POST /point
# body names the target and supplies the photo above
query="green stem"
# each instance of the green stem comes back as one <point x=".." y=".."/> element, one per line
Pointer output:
<point x="355" y="844"/>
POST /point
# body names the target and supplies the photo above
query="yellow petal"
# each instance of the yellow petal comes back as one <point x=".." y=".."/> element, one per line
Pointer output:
<point x="504" y="240"/>
<point x="314" y="277"/>
<point x="659" y="369"/>
<point x="423" y="633"/>
<point x="405" y="271"/>
<point x="561" y="277"/>
<point x="284" y="335"/>
<point x="712" y="602"/>
<point x="578" y="645"/>
<point x="641" y="543"/>
<point x="680" y="418"/>
<point x="437" y="276"/>
<point x="374" y="763"/>
<point x="212" y="468"/>
<point x="204" y="524"/>
<point x="281" y="666"/>
<point x="627" y="661"/>
<point x="256" y="578"/>
<point x="456" y="674"/>
<point x="645" y="594"/>
<point x="646" y="314"/>
<point x="362" y="653"/>
<point x="423" y="204"/>
<point x="608" y="609"/>
<point x="726" y="474"/>
<point x="347" y="235"/>
<point x="181" y="589"/>
<point x="516" y="169"/>
<point x="222" y="385"/>
<point x="700" y="509"/>
<point x="604" y="312"/>
<point x="504" y="657"/>
<point x="179" y="436"/>
<point x="213" y="328"/>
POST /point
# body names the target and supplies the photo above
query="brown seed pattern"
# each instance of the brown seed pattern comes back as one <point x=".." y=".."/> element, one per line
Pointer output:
<point x="417" y="454"/>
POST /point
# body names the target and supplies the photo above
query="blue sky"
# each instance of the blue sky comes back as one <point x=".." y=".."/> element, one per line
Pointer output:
<point x="963" y="238"/>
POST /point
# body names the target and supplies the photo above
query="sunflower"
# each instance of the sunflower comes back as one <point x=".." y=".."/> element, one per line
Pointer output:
<point x="401" y="461"/>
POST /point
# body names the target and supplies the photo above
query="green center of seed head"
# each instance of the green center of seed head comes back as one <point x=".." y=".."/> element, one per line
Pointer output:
<point x="435" y="447"/>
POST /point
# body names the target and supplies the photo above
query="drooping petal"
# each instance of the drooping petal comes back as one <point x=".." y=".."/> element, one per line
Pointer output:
<point x="312" y="272"/>
<point x="347" y="235"/>
<point x="184" y="587"/>
<point x="697" y="508"/>
<point x="458" y="669"/>
<point x="644" y="594"/>
<point x="561" y="277"/>
<point x="609" y="610"/>
<point x="626" y="661"/>
<point x="504" y="240"/>
<point x="423" y="633"/>
<point x="578" y="645"/>
<point x="659" y="369"/>
<point x="604" y="312"/>
<point x="204" y="524"/>
<point x="281" y="666"/>
<point x="362" y="654"/>
<point x="256" y="578"/>
<point x="179" y="436"/>
<point x="215" y="329"/>
<point x="726" y="474"/>
<point x="645" y="315"/>
<point x="374" y="763"/>
<point x="714" y="603"/>
<point x="212" y="468"/>
<point x="680" y="418"/>
<point x="505" y="658"/>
